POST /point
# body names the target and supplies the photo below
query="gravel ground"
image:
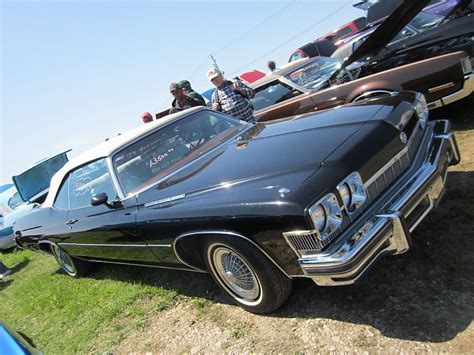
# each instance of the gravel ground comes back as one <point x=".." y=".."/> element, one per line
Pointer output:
<point x="421" y="301"/>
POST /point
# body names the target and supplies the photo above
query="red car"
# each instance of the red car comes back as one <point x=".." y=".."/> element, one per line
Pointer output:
<point x="344" y="31"/>
<point x="327" y="44"/>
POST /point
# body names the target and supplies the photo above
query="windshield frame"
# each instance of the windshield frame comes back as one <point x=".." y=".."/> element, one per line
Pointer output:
<point x="305" y="89"/>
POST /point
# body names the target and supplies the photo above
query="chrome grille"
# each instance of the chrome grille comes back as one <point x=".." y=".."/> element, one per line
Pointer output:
<point x="388" y="174"/>
<point x="307" y="242"/>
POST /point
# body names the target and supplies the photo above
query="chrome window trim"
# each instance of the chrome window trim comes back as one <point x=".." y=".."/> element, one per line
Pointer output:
<point x="114" y="179"/>
<point x="187" y="234"/>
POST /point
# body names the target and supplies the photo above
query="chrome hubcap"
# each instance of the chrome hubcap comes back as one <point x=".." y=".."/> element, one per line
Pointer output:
<point x="235" y="273"/>
<point x="64" y="260"/>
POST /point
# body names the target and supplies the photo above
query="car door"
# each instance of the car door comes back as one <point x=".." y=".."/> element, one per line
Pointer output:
<point x="102" y="232"/>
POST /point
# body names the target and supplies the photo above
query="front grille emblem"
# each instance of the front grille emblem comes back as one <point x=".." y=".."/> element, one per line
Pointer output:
<point x="403" y="138"/>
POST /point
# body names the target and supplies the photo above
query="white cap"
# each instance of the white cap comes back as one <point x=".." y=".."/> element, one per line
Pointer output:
<point x="213" y="73"/>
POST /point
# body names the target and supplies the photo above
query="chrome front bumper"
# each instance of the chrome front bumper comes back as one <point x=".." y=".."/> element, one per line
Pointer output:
<point x="384" y="229"/>
<point x="467" y="89"/>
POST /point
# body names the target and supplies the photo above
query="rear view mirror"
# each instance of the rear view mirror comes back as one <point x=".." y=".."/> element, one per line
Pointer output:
<point x="103" y="199"/>
<point x="99" y="199"/>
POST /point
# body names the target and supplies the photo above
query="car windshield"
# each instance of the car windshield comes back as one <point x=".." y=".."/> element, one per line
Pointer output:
<point x="271" y="94"/>
<point x="314" y="74"/>
<point x="424" y="21"/>
<point x="172" y="146"/>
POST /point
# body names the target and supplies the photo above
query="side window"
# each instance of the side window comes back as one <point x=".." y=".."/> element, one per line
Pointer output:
<point x="271" y="94"/>
<point x="87" y="181"/>
<point x="62" y="198"/>
<point x="296" y="56"/>
<point x="343" y="31"/>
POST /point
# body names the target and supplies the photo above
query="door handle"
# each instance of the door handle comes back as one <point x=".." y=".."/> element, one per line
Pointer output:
<point x="71" y="221"/>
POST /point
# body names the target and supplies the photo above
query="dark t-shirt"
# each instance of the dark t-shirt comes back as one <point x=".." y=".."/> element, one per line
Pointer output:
<point x="197" y="96"/>
<point x="191" y="102"/>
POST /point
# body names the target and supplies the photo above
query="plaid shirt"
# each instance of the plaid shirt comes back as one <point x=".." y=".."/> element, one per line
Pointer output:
<point x="235" y="103"/>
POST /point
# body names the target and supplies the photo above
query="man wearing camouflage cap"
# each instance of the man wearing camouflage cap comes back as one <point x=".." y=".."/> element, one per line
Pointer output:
<point x="181" y="100"/>
<point x="188" y="90"/>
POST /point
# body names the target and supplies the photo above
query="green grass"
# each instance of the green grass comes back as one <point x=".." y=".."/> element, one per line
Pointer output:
<point x="64" y="315"/>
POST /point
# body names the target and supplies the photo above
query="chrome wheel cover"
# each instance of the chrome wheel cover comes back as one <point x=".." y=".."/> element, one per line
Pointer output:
<point x="235" y="273"/>
<point x="64" y="260"/>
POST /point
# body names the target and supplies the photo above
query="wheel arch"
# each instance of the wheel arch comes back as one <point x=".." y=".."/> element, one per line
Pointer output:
<point x="372" y="94"/>
<point x="45" y="246"/>
<point x="188" y="248"/>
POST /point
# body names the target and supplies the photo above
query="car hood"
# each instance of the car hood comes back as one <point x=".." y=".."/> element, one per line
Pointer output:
<point x="281" y="153"/>
<point x="384" y="34"/>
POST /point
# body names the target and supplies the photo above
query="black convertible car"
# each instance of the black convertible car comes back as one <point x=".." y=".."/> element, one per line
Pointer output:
<point x="320" y="195"/>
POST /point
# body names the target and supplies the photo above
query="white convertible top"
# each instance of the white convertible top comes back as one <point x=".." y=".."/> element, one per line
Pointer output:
<point x="108" y="147"/>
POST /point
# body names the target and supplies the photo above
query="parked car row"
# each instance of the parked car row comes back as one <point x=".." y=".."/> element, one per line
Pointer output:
<point x="439" y="67"/>
<point x="339" y="169"/>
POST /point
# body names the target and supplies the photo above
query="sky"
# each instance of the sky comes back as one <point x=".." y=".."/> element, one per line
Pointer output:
<point x="76" y="72"/>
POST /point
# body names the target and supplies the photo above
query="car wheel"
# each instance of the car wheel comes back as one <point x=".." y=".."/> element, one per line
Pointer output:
<point x="71" y="266"/>
<point x="247" y="275"/>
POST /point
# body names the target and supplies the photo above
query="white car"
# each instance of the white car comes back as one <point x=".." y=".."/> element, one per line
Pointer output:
<point x="30" y="190"/>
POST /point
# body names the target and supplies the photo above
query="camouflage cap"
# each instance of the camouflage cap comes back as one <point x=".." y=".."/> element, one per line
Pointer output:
<point x="184" y="84"/>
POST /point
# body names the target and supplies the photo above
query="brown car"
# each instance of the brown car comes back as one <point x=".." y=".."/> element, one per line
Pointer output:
<point x="437" y="63"/>
<point x="305" y="86"/>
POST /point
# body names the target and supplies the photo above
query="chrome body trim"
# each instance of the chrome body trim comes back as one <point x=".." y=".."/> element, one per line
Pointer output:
<point x="441" y="87"/>
<point x="165" y="200"/>
<point x="117" y="245"/>
<point x="467" y="89"/>
<point x="385" y="227"/>
<point x="369" y="94"/>
<point x="143" y="265"/>
<point x="203" y="232"/>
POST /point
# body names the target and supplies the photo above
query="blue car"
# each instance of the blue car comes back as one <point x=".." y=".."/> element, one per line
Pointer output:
<point x="13" y="343"/>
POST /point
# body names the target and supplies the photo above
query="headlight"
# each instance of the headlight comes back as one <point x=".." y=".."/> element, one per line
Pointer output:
<point x="352" y="192"/>
<point x="326" y="215"/>
<point x="318" y="216"/>
<point x="345" y="193"/>
<point x="422" y="108"/>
